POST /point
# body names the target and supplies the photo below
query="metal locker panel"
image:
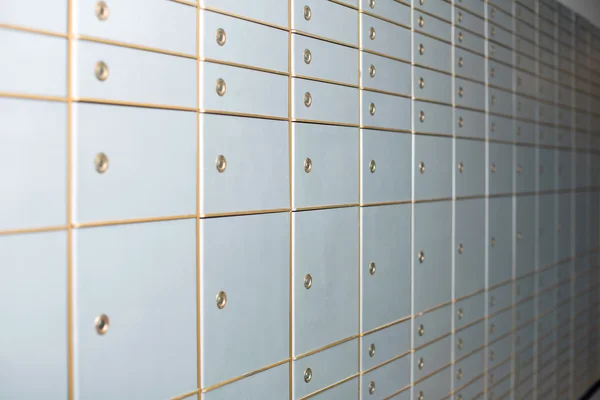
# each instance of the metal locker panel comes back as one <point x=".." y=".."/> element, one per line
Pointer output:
<point x="547" y="136"/>
<point x="270" y="11"/>
<point x="471" y="391"/>
<point x="433" y="86"/>
<point x="432" y="53"/>
<point x="38" y="14"/>
<point x="33" y="287"/>
<point x="470" y="168"/>
<point x="525" y="31"/>
<point x="123" y="76"/>
<point x="525" y="62"/>
<point x="525" y="84"/>
<point x="324" y="368"/>
<point x="469" y="339"/>
<point x="439" y="8"/>
<point x="432" y="325"/>
<point x="470" y="242"/>
<point x="384" y="74"/>
<point x="525" y="168"/>
<point x="384" y="111"/>
<point x="436" y="386"/>
<point x="471" y="22"/>
<point x="231" y="179"/>
<point x="499" y="325"/>
<point x="524" y="312"/>
<point x="468" y="368"/>
<point x="385" y="264"/>
<point x="387" y="379"/>
<point x="501" y="53"/>
<point x="469" y="123"/>
<point x="525" y="132"/>
<point x="347" y="390"/>
<point x="501" y="128"/>
<point x="128" y="22"/>
<point x="431" y="26"/>
<point x="384" y="38"/>
<point x="387" y="9"/>
<point x="432" y="118"/>
<point x="321" y="102"/>
<point x="499" y="35"/>
<point x="384" y="344"/>
<point x="500" y="170"/>
<point x="234" y="40"/>
<point x="501" y="16"/>
<point x="524" y="288"/>
<point x="26" y="52"/>
<point x="257" y="245"/>
<point x="114" y="180"/>
<point x="500" y="75"/>
<point x="469" y="65"/>
<point x="385" y="166"/>
<point x="501" y="240"/>
<point x="324" y="165"/>
<point x="469" y="94"/>
<point x="325" y="19"/>
<point x="525" y="234"/>
<point x="127" y="273"/>
<point x="500" y="350"/>
<point x="33" y="157"/>
<point x="525" y="107"/>
<point x="331" y="291"/>
<point x="500" y="298"/>
<point x="469" y="41"/>
<point x="431" y="358"/>
<point x="431" y="248"/>
<point x="272" y="382"/>
<point x="469" y="310"/>
<point x="501" y="102"/>
<point x="432" y="169"/>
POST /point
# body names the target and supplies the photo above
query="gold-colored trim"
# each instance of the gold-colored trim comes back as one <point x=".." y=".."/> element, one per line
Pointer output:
<point x="329" y="386"/>
<point x="239" y="114"/>
<point x="496" y="313"/>
<point x="326" y="207"/>
<point x="243" y="17"/>
<point x="380" y="128"/>
<point x="498" y="285"/>
<point x="340" y="3"/>
<point x="385" y="203"/>
<point x="187" y="3"/>
<point x="405" y="388"/>
<point x="391" y="360"/>
<point x="246" y="375"/>
<point x="312" y="121"/>
<point x="430" y="342"/>
<point x="131" y="221"/>
<point x="376" y="53"/>
<point x="34" y="230"/>
<point x="466" y="384"/>
<point x="434" y="201"/>
<point x="431" y="374"/>
<point x="373" y="90"/>
<point x="429" y="35"/>
<point x="25" y="96"/>
<point x="189" y="394"/>
<point x="131" y="104"/>
<point x="469" y="325"/>
<point x="94" y="39"/>
<point x="313" y="36"/>
<point x="243" y="66"/>
<point x="326" y="347"/>
<point x="379" y="17"/>
<point x="444" y="135"/>
<point x="479" y="291"/>
<point x="328" y="81"/>
<point x="461" y="358"/>
<point x="36" y="31"/>
<point x="441" y="103"/>
<point x="422" y="11"/>
<point x="399" y="321"/>
<point x="242" y="213"/>
<point x="415" y="64"/>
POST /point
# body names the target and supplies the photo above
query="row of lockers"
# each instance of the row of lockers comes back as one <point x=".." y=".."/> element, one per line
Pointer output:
<point x="120" y="270"/>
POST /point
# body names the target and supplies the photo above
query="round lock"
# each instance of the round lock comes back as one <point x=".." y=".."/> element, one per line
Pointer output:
<point x="307" y="56"/>
<point x="519" y="235"/>
<point x="221" y="87"/>
<point x="372" y="268"/>
<point x="421" y="2"/>
<point x="101" y="323"/>
<point x="421" y="396"/>
<point x="459" y="374"/>
<point x="307" y="13"/>
<point x="372" y="71"/>
<point x="307" y="99"/>
<point x="372" y="166"/>
<point x="372" y="108"/>
<point x="421" y="257"/>
<point x="492" y="127"/>
<point x="307" y="375"/>
<point x="421" y="363"/>
<point x="461" y="122"/>
<point x="422" y="167"/>
<point x="493" y="31"/>
<point x="102" y="10"/>
<point x="492" y="12"/>
<point x="372" y="4"/>
<point x="461" y="248"/>
<point x="421" y="49"/>
<point x="372" y="33"/>
<point x="371" y="387"/>
<point x="459" y="397"/>
<point x="221" y="37"/>
<point x="461" y="91"/>
<point x="221" y="163"/>
<point x="371" y="350"/>
<point x="492" y="49"/>
<point x="492" y="355"/>
<point x="421" y="83"/>
<point x="421" y="21"/>
<point x="492" y="301"/>
<point x="460" y="17"/>
<point x="459" y="344"/>
<point x="101" y="71"/>
<point x="493" y="241"/>
<point x="493" y="168"/>
<point x="519" y="168"/>
<point x="492" y="328"/>
<point x="460" y="62"/>
<point x="492" y="72"/>
<point x="460" y="36"/>
<point x="308" y="281"/>
<point x="459" y="313"/>
<point x="461" y="167"/>
<point x="101" y="163"/>
<point x="221" y="300"/>
<point x="422" y="116"/>
<point x="421" y="330"/>
<point x="307" y="165"/>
